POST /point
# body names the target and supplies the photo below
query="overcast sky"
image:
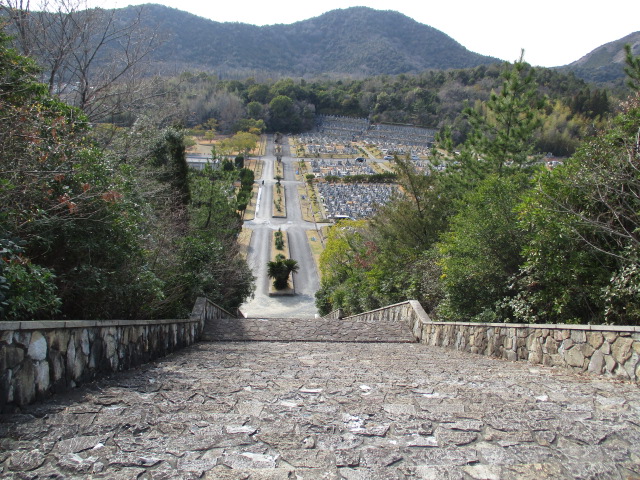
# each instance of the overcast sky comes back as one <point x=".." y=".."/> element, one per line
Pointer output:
<point x="552" y="32"/>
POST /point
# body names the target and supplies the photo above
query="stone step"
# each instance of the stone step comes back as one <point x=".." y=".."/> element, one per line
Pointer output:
<point x="306" y="330"/>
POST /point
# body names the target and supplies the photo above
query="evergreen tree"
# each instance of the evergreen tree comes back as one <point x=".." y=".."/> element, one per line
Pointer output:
<point x="503" y="127"/>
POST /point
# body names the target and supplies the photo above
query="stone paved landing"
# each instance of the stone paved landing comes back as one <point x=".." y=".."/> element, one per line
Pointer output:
<point x="307" y="329"/>
<point x="259" y="410"/>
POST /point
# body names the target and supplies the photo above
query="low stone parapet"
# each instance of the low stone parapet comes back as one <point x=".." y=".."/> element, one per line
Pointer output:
<point x="38" y="358"/>
<point x="599" y="349"/>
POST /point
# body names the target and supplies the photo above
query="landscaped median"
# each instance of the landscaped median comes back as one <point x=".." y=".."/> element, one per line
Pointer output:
<point x="279" y="207"/>
<point x="280" y="263"/>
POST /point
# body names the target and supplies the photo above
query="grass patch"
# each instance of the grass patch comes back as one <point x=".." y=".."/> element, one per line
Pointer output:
<point x="312" y="210"/>
<point x="383" y="167"/>
<point x="316" y="245"/>
<point x="244" y="240"/>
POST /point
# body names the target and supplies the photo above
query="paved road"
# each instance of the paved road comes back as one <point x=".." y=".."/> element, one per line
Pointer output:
<point x="307" y="280"/>
<point x="327" y="411"/>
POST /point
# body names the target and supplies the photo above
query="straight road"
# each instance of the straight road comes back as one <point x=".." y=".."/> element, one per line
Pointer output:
<point x="307" y="280"/>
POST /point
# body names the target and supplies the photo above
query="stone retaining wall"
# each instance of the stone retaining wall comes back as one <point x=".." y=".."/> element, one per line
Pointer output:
<point x="409" y="313"/>
<point x="599" y="349"/>
<point x="39" y="358"/>
<point x="335" y="315"/>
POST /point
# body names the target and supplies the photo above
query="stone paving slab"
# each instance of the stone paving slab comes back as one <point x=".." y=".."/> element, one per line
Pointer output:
<point x="306" y="329"/>
<point x="275" y="410"/>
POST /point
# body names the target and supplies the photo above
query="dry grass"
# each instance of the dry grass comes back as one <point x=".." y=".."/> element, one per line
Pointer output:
<point x="278" y="169"/>
<point x="250" y="212"/>
<point x="244" y="240"/>
<point x="316" y="244"/>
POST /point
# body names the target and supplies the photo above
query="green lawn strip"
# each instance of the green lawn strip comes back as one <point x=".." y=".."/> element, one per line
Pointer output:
<point x="285" y="248"/>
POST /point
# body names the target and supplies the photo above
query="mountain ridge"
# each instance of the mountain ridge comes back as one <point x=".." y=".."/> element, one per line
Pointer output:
<point x="356" y="41"/>
<point x="605" y="63"/>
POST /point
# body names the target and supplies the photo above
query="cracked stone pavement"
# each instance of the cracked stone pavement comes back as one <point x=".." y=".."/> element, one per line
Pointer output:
<point x="277" y="410"/>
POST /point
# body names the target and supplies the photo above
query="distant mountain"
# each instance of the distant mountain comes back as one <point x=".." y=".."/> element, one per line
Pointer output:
<point x="357" y="41"/>
<point x="605" y="63"/>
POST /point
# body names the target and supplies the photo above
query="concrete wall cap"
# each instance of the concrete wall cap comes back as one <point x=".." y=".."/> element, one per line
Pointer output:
<point x="55" y="324"/>
<point x="548" y="326"/>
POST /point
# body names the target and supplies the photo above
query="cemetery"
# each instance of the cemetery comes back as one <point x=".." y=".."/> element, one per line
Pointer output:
<point x="354" y="201"/>
<point x="344" y="136"/>
<point x="340" y="168"/>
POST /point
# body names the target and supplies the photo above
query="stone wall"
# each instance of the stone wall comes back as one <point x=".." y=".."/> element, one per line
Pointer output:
<point x="409" y="313"/>
<point x="335" y="315"/>
<point x="39" y="358"/>
<point x="599" y="349"/>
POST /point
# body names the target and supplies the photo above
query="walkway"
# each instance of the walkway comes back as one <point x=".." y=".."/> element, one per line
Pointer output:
<point x="276" y="410"/>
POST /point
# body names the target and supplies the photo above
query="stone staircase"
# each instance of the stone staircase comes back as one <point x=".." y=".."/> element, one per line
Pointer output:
<point x="307" y="330"/>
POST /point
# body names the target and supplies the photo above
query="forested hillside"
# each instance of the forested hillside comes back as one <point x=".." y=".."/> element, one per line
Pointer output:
<point x="433" y="99"/>
<point x="606" y="63"/>
<point x="357" y="41"/>
<point x="105" y="222"/>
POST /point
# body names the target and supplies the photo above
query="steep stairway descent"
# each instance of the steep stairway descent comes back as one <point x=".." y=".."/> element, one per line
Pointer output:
<point x="306" y="330"/>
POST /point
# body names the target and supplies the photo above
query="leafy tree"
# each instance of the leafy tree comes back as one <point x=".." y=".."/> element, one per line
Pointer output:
<point x="90" y="233"/>
<point x="26" y="290"/>
<point x="632" y="69"/>
<point x="250" y="125"/>
<point x="241" y="142"/>
<point x="283" y="115"/>
<point x="90" y="57"/>
<point x="481" y="251"/>
<point x="581" y="262"/>
<point x="66" y="205"/>
<point x="417" y="213"/>
<point x="348" y="269"/>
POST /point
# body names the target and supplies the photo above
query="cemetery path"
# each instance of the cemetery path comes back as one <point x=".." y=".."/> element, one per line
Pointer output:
<point x="306" y="282"/>
<point x="318" y="410"/>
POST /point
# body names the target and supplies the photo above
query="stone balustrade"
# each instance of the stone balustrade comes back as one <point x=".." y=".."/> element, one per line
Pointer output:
<point x="335" y="315"/>
<point x="38" y="358"/>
